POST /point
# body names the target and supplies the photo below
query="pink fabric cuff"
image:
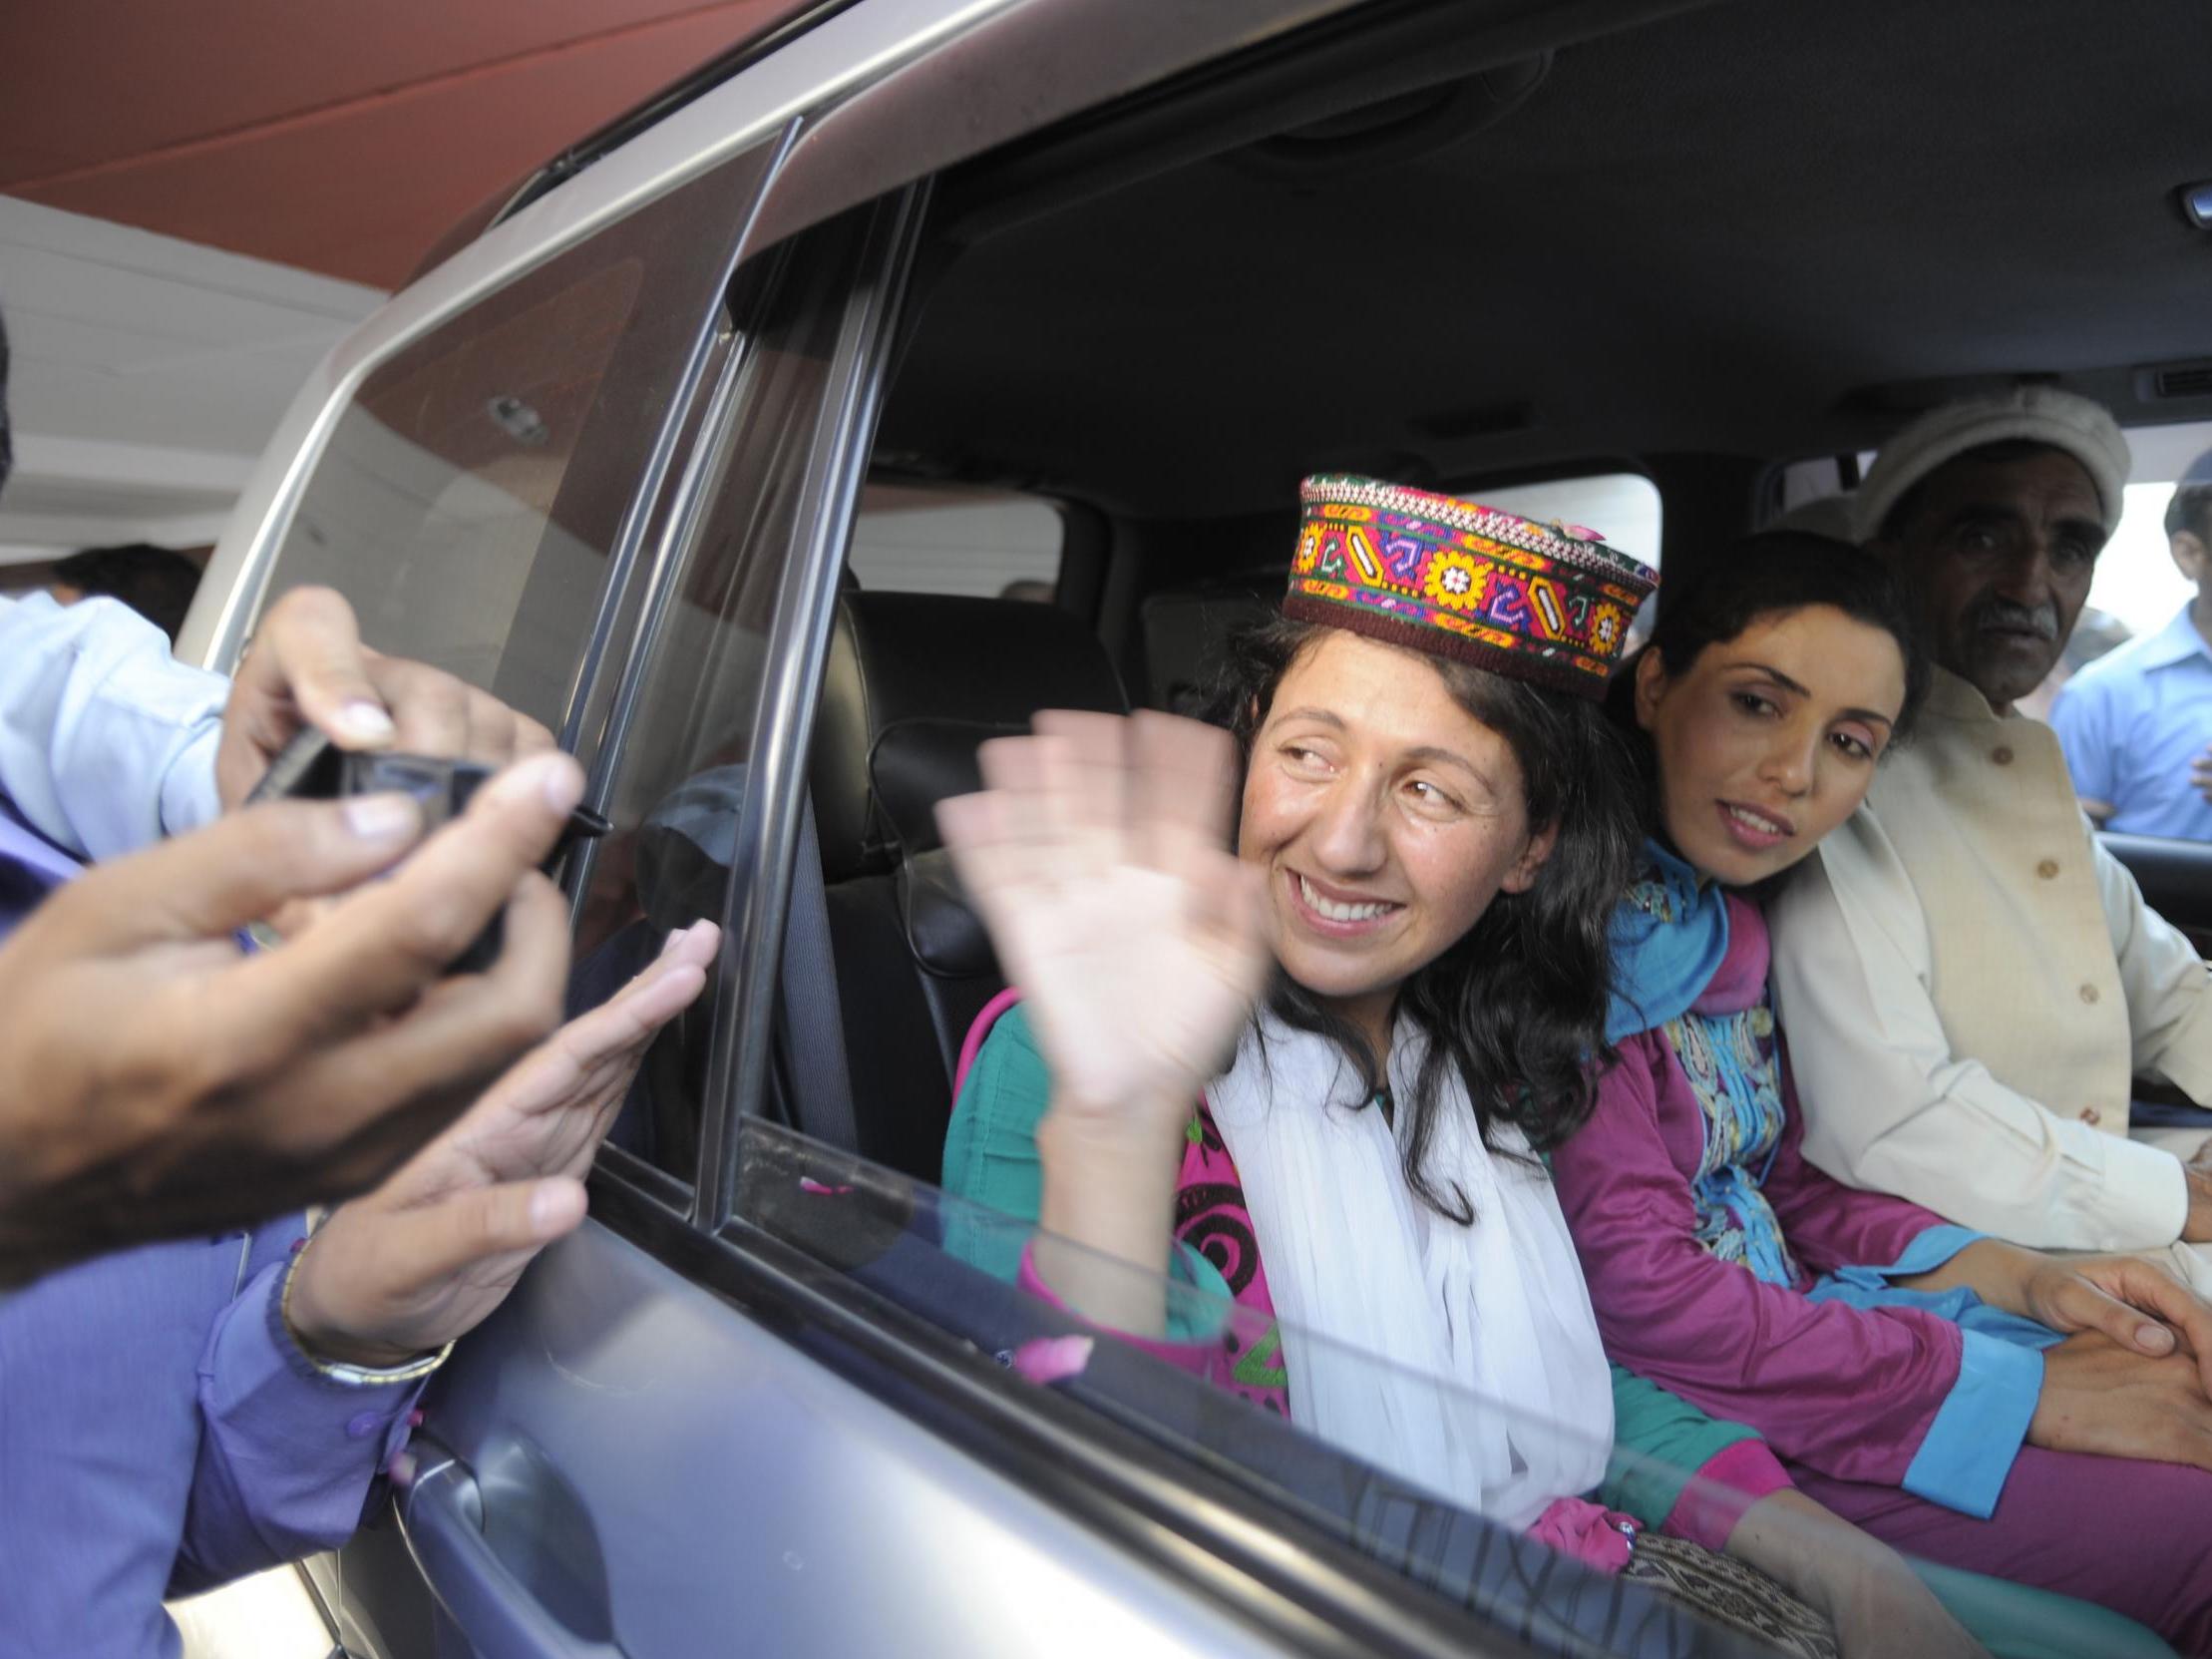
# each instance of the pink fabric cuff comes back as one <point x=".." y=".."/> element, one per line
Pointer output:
<point x="1591" y="1533"/>
<point x="1734" y="1479"/>
<point x="977" y="1032"/>
<point x="1201" y="1359"/>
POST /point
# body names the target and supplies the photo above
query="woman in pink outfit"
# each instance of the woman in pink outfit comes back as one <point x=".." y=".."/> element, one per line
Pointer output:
<point x="1965" y="1399"/>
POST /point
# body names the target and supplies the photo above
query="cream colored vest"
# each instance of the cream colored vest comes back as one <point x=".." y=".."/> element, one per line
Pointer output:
<point x="1982" y="813"/>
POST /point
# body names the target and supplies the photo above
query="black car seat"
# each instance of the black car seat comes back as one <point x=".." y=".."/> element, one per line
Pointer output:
<point x="915" y="682"/>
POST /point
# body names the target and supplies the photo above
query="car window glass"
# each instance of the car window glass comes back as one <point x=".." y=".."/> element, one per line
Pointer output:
<point x="472" y="490"/>
<point x="984" y="544"/>
<point x="1216" y="1390"/>
<point x="685" y="738"/>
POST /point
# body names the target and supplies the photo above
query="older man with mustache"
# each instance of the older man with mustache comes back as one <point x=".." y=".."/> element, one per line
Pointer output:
<point x="1970" y="984"/>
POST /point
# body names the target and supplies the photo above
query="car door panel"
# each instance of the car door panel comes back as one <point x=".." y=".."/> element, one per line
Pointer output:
<point x="692" y="1484"/>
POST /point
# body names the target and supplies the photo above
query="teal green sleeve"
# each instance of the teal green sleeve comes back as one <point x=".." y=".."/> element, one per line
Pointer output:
<point x="996" y="1183"/>
<point x="990" y="1152"/>
<point x="1658" y="1442"/>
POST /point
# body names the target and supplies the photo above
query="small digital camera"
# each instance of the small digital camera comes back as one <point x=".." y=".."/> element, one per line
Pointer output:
<point x="311" y="767"/>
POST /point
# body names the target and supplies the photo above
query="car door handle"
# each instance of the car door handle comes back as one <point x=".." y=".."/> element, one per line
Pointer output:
<point x="499" y="1616"/>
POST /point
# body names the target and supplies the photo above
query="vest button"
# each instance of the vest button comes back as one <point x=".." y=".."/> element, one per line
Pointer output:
<point x="2091" y="1116"/>
<point x="2088" y="993"/>
<point x="2048" y="869"/>
<point x="2002" y="755"/>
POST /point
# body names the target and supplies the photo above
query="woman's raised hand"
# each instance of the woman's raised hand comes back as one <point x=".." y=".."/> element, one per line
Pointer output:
<point x="1098" y="855"/>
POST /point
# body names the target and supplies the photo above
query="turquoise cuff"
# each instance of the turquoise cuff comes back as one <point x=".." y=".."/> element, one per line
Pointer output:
<point x="1199" y="1302"/>
<point x="1981" y="1427"/>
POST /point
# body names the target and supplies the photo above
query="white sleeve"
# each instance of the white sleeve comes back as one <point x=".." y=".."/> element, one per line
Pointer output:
<point x="107" y="742"/>
<point x="2169" y="991"/>
<point x="1889" y="1107"/>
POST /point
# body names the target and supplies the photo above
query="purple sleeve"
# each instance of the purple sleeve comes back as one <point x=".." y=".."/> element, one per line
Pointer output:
<point x="1830" y="1225"/>
<point x="1848" y="1392"/>
<point x="286" y="1455"/>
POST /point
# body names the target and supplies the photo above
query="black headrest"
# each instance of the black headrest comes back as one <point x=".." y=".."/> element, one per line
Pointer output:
<point x="917" y="764"/>
<point x="960" y="669"/>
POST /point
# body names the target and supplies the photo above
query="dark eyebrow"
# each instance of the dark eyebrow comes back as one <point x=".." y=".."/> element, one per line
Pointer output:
<point x="1783" y="679"/>
<point x="1426" y="755"/>
<point x="2004" y="512"/>
<point x="1773" y="674"/>
<point x="1429" y="755"/>
<point x="1321" y="715"/>
<point x="1984" y="514"/>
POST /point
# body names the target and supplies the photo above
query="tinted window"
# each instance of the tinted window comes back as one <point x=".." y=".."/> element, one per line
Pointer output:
<point x="471" y="494"/>
<point x="684" y="724"/>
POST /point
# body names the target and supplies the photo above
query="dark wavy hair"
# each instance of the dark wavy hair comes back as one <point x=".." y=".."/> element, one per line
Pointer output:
<point x="1517" y="1004"/>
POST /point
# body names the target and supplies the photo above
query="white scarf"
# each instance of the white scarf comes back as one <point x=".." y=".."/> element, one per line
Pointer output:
<point x="1463" y="1358"/>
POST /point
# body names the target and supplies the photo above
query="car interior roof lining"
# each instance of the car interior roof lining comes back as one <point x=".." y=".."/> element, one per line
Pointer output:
<point x="1738" y="231"/>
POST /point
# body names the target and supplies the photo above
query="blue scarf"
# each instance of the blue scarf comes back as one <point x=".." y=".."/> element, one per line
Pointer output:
<point x="1668" y="938"/>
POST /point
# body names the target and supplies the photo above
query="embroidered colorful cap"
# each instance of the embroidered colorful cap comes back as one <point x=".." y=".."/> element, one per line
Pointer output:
<point x="1550" y="603"/>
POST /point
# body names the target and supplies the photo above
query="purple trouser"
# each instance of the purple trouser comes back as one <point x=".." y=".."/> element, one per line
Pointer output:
<point x="2133" y="1537"/>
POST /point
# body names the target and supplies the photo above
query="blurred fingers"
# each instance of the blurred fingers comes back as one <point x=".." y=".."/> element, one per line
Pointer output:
<point x="1188" y="779"/>
<point x="432" y="710"/>
<point x="240" y="869"/>
<point x="308" y="650"/>
<point x="376" y="1097"/>
<point x="1085" y="788"/>
<point x="379" y="949"/>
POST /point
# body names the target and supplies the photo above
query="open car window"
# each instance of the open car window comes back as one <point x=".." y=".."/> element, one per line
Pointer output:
<point x="939" y="1269"/>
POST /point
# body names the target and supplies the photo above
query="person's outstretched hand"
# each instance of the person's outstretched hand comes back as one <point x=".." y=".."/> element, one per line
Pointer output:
<point x="307" y="667"/>
<point x="155" y="1081"/>
<point x="428" y="1255"/>
<point x="1098" y="856"/>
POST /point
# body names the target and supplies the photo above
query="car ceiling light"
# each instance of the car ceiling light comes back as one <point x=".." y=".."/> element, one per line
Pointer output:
<point x="2196" y="204"/>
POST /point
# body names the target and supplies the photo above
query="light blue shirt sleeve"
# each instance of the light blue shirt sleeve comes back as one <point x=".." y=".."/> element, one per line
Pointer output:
<point x="107" y="742"/>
